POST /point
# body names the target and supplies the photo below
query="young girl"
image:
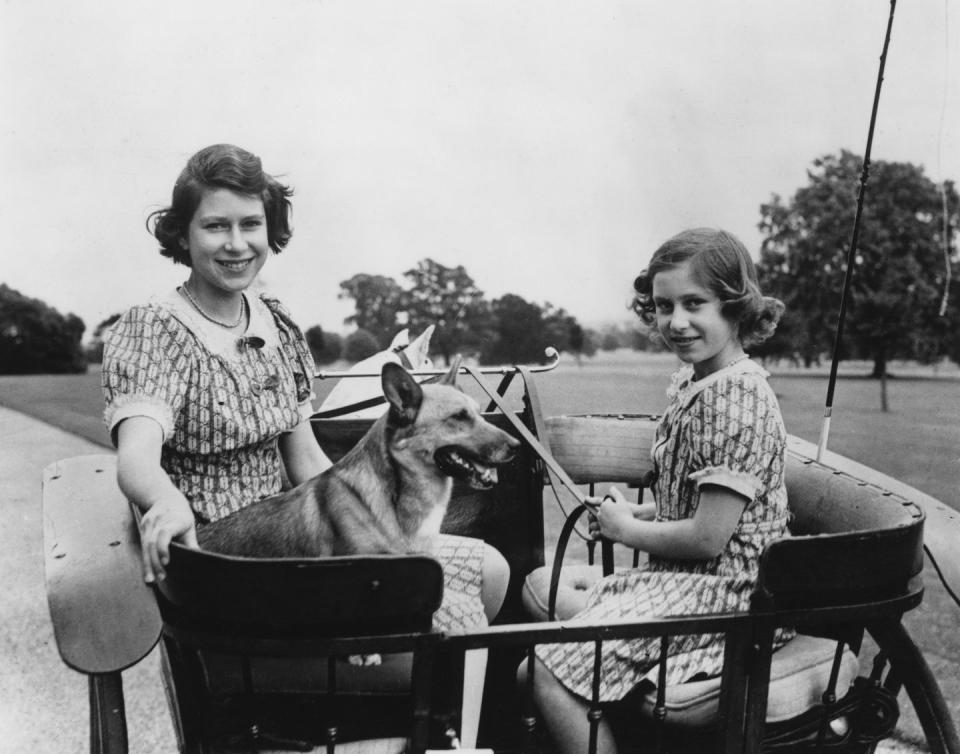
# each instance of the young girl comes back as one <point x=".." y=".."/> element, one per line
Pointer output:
<point x="719" y="490"/>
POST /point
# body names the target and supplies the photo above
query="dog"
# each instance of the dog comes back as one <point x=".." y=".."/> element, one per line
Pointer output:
<point x="411" y="354"/>
<point x="390" y="492"/>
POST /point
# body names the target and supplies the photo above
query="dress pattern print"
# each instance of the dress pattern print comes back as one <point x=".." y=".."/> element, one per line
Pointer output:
<point x="222" y="404"/>
<point x="723" y="430"/>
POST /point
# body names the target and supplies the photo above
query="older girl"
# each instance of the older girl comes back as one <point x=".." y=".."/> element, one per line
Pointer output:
<point x="208" y="387"/>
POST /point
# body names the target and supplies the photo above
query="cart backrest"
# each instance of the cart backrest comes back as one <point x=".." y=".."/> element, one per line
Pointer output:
<point x="852" y="542"/>
<point x="595" y="449"/>
<point x="319" y="597"/>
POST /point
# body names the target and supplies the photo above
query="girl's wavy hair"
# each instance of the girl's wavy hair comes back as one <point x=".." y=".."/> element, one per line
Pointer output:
<point x="721" y="264"/>
<point x="228" y="167"/>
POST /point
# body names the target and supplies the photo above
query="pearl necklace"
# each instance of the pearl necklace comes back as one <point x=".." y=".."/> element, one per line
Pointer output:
<point x="225" y="325"/>
<point x="737" y="360"/>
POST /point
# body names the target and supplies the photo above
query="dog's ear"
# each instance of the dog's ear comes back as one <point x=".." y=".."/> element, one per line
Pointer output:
<point x="418" y="351"/>
<point x="450" y="378"/>
<point x="402" y="393"/>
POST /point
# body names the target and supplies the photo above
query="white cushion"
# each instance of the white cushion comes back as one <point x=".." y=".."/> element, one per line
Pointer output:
<point x="575" y="580"/>
<point x="799" y="671"/>
<point x="799" y="674"/>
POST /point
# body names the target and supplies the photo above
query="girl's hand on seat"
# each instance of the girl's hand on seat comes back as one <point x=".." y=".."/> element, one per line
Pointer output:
<point x="168" y="519"/>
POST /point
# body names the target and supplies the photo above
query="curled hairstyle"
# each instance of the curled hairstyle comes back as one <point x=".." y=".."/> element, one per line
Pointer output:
<point x="720" y="263"/>
<point x="228" y="167"/>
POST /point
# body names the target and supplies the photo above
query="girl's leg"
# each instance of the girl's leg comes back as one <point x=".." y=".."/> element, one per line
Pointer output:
<point x="496" y="578"/>
<point x="564" y="714"/>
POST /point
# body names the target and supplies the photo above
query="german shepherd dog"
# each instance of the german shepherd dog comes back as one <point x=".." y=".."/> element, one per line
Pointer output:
<point x="390" y="492"/>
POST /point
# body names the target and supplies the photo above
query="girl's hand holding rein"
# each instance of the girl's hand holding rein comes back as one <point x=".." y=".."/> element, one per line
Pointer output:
<point x="638" y="511"/>
<point x="701" y="537"/>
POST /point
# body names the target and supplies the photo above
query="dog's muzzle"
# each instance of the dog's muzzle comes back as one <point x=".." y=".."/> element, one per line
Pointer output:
<point x="460" y="464"/>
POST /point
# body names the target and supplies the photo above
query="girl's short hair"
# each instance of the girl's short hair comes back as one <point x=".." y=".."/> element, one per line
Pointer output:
<point x="721" y="264"/>
<point x="221" y="166"/>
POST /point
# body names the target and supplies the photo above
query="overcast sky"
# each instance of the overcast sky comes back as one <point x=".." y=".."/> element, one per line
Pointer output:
<point x="546" y="145"/>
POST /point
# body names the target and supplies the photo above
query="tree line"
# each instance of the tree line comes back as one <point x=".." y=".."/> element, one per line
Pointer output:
<point x="902" y="305"/>
<point x="508" y="329"/>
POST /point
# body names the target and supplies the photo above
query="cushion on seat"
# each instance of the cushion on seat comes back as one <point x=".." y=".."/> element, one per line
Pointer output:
<point x="799" y="671"/>
<point x="799" y="674"/>
<point x="575" y="580"/>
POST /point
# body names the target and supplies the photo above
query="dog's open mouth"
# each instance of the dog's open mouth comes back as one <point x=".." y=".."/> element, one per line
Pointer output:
<point x="456" y="462"/>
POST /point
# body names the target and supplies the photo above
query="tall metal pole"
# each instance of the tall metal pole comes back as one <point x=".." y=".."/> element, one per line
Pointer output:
<point x="852" y="252"/>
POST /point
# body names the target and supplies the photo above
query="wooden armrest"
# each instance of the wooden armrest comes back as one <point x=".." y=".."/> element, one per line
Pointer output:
<point x="105" y="618"/>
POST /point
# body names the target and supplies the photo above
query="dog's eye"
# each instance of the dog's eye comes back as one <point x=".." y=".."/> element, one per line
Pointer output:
<point x="462" y="415"/>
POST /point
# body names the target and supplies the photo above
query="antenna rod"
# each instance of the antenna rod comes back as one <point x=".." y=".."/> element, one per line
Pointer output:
<point x="852" y="252"/>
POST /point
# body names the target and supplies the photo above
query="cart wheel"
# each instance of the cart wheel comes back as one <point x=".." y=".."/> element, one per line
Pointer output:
<point x="911" y="669"/>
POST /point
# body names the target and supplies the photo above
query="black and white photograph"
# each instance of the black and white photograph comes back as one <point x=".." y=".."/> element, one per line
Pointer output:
<point x="543" y="377"/>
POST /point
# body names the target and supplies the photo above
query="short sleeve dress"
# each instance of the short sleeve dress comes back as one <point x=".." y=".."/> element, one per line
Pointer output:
<point x="723" y="430"/>
<point x="223" y="402"/>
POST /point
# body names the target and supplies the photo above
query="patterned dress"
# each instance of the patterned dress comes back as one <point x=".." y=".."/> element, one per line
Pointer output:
<point x="222" y="404"/>
<point x="723" y="430"/>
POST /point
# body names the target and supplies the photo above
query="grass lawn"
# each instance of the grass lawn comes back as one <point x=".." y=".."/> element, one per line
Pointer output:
<point x="916" y="441"/>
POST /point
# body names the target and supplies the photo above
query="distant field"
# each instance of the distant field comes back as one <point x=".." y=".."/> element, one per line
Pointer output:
<point x="917" y="441"/>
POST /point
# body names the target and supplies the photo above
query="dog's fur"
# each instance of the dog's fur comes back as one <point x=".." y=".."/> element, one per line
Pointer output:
<point x="389" y="493"/>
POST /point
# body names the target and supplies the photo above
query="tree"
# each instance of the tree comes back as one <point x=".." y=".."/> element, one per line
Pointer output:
<point x="564" y="333"/>
<point x="325" y="347"/>
<point x="898" y="275"/>
<point x="628" y="335"/>
<point x="448" y="298"/>
<point x="94" y="351"/>
<point x="359" y="345"/>
<point x="509" y="330"/>
<point x="377" y="301"/>
<point x="520" y="331"/>
<point x="951" y="326"/>
<point x="783" y="342"/>
<point x="517" y="334"/>
<point x="36" y="338"/>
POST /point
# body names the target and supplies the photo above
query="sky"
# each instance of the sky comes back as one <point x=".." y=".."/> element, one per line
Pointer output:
<point x="548" y="147"/>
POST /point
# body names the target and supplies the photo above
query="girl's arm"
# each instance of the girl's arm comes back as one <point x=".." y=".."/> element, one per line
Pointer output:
<point x="167" y="514"/>
<point x="302" y="457"/>
<point x="701" y="537"/>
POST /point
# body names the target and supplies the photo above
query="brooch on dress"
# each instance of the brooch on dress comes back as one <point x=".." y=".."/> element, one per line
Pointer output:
<point x="250" y="341"/>
<point x="270" y="382"/>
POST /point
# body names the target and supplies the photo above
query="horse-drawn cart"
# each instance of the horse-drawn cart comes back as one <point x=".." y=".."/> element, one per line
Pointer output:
<point x="254" y="649"/>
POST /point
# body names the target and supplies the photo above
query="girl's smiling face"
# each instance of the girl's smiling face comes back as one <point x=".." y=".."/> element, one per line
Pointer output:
<point x="691" y="322"/>
<point x="227" y="241"/>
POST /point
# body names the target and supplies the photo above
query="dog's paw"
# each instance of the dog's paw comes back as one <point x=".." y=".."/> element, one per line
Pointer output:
<point x="365" y="661"/>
